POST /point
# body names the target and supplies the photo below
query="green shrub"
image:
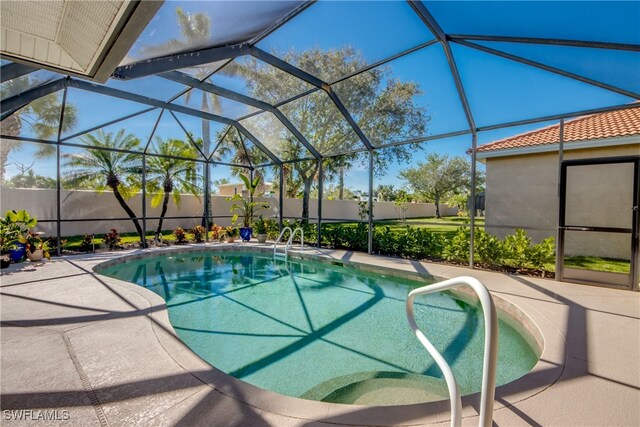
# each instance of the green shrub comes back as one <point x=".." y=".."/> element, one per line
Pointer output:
<point x="542" y="253"/>
<point x="272" y="228"/>
<point x="198" y="233"/>
<point x="260" y="226"/>
<point x="112" y="239"/>
<point x="517" y="247"/>
<point x="457" y="248"/>
<point x="51" y="244"/>
<point x="87" y="244"/>
<point x="357" y="238"/>
<point x="384" y="241"/>
<point x="216" y="232"/>
<point x="181" y="236"/>
<point x="421" y="243"/>
<point x="332" y="235"/>
<point x="488" y="249"/>
<point x="411" y="242"/>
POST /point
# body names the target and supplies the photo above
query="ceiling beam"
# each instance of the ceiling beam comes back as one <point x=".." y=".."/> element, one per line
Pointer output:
<point x="257" y="143"/>
<point x="294" y="130"/>
<point x="555" y="42"/>
<point x="10" y="105"/>
<point x="559" y="116"/>
<point x="314" y="81"/>
<point x="279" y="23"/>
<point x="421" y="10"/>
<point x="180" y="77"/>
<point x="14" y="70"/>
<point x="548" y="68"/>
<point x="179" y="60"/>
<point x="345" y="113"/>
<point x="109" y="123"/>
<point x="117" y="93"/>
<point x="104" y="90"/>
<point x="286" y="67"/>
<point x="185" y="79"/>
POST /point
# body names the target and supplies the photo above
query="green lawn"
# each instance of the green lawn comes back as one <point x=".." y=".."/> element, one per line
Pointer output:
<point x="447" y="220"/>
<point x="446" y="225"/>
<point x="610" y="265"/>
<point x="73" y="243"/>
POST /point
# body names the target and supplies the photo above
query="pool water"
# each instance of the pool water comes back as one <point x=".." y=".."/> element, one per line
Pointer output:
<point x="319" y="331"/>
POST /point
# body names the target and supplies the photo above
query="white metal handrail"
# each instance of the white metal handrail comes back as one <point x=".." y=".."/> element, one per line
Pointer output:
<point x="490" y="348"/>
<point x="275" y="245"/>
<point x="290" y="241"/>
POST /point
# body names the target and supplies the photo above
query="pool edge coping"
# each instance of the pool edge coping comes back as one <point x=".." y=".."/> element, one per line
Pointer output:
<point x="543" y="375"/>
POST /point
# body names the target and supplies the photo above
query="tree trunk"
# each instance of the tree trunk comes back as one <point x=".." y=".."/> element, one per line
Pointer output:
<point x="165" y="204"/>
<point x="305" y="200"/>
<point x="11" y="126"/>
<point x="437" y="203"/>
<point x="341" y="184"/>
<point x="131" y="214"/>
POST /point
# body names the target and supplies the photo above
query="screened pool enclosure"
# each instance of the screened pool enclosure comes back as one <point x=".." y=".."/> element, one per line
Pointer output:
<point x="312" y="96"/>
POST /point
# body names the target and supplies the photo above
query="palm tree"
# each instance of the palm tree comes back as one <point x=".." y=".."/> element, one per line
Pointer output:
<point x="42" y="116"/>
<point x="102" y="169"/>
<point x="195" y="29"/>
<point x="233" y="144"/>
<point x="169" y="176"/>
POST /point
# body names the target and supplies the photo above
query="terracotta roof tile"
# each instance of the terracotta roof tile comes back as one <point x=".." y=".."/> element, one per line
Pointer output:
<point x="611" y="124"/>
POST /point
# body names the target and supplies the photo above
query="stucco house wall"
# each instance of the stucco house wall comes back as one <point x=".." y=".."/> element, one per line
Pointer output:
<point x="522" y="191"/>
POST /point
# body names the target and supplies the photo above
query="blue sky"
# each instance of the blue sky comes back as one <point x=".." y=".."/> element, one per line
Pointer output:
<point x="498" y="90"/>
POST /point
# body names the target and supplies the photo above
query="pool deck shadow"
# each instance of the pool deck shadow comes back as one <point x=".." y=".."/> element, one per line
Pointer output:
<point x="100" y="351"/>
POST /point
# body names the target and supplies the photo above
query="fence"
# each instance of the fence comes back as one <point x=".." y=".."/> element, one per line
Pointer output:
<point x="94" y="213"/>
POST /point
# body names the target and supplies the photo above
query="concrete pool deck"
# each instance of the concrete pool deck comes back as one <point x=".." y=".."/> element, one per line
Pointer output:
<point x="90" y="350"/>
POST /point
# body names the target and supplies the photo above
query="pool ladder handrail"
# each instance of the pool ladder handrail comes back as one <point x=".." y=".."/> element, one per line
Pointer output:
<point x="490" y="348"/>
<point x="289" y="241"/>
<point x="275" y="245"/>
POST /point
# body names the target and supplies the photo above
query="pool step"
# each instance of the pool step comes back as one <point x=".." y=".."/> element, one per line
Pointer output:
<point x="379" y="388"/>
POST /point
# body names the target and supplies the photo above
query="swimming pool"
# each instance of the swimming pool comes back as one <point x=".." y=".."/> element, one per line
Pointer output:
<point x="318" y="331"/>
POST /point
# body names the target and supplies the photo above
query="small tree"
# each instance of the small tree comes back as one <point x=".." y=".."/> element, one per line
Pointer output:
<point x="440" y="177"/>
<point x="401" y="208"/>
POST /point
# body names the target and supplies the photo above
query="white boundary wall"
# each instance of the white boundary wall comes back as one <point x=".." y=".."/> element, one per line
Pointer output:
<point x="90" y="204"/>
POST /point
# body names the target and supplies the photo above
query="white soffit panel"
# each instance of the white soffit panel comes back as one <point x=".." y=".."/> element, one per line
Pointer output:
<point x="83" y="38"/>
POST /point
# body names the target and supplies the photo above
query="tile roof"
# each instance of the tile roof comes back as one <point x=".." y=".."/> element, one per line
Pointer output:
<point x="599" y="126"/>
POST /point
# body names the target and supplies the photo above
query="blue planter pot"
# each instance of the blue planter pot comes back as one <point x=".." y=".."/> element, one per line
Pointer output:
<point x="18" y="253"/>
<point x="245" y="233"/>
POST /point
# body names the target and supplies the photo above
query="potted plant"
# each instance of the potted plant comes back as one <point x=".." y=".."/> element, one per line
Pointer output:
<point x="9" y="237"/>
<point x="230" y="234"/>
<point x="35" y="247"/>
<point x="261" y="229"/>
<point x="17" y="224"/>
<point x="247" y="206"/>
